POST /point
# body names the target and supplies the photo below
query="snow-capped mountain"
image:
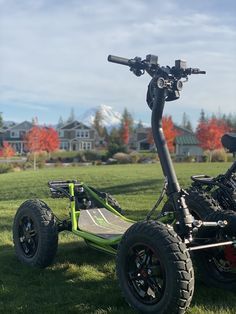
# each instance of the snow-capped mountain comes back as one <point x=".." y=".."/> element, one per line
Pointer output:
<point x="110" y="118"/>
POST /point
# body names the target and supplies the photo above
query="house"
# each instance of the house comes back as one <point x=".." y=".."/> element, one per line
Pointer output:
<point x="141" y="139"/>
<point x="15" y="135"/>
<point x="187" y="144"/>
<point x="75" y="136"/>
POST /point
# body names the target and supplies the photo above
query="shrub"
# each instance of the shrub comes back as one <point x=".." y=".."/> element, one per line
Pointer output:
<point x="122" y="158"/>
<point x="5" y="167"/>
<point x="219" y="155"/>
<point x="114" y="148"/>
<point x="134" y="157"/>
<point x="231" y="157"/>
<point x="91" y="155"/>
<point x="27" y="165"/>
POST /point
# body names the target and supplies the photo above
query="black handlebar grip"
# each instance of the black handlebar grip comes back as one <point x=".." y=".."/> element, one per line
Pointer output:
<point x="118" y="60"/>
<point x="197" y="71"/>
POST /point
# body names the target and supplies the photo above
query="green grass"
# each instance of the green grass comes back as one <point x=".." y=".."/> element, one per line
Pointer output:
<point x="82" y="280"/>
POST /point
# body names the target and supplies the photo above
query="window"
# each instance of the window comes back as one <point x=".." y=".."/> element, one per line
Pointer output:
<point x="82" y="134"/>
<point x="61" y="133"/>
<point x="78" y="133"/>
<point x="14" y="134"/>
<point x="64" y="145"/>
<point x="86" y="133"/>
<point x="86" y="145"/>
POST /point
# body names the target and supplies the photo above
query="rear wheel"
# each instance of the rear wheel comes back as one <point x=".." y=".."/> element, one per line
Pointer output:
<point x="154" y="269"/>
<point x="35" y="234"/>
<point x="215" y="266"/>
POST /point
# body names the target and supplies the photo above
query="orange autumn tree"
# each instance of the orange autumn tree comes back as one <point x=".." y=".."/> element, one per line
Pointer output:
<point x="33" y="142"/>
<point x="150" y="138"/>
<point x="49" y="139"/>
<point x="169" y="131"/>
<point x="126" y="127"/>
<point x="125" y="133"/>
<point x="209" y="134"/>
<point x="7" y="150"/>
<point x="40" y="139"/>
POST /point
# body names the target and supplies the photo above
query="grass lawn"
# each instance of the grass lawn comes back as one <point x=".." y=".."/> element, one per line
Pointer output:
<point x="82" y="280"/>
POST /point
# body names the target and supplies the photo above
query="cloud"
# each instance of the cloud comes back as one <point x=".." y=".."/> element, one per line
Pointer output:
<point x="54" y="52"/>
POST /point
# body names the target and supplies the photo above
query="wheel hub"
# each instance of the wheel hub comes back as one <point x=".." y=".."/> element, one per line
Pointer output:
<point x="28" y="236"/>
<point x="145" y="274"/>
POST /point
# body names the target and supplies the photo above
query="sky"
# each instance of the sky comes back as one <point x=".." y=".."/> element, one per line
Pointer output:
<point x="53" y="55"/>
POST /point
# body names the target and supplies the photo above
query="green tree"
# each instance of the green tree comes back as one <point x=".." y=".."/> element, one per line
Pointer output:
<point x="71" y="116"/>
<point x="1" y="121"/>
<point x="60" y="122"/>
<point x="97" y="123"/>
<point x="202" y="116"/>
<point x="186" y="122"/>
<point x="139" y="125"/>
<point x="115" y="144"/>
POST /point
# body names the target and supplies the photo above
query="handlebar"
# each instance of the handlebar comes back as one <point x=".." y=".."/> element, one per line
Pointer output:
<point x="62" y="184"/>
<point x="150" y="64"/>
<point x="119" y="60"/>
<point x="195" y="71"/>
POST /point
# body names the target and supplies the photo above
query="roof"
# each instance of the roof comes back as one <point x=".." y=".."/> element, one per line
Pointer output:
<point x="183" y="131"/>
<point x="25" y="125"/>
<point x="186" y="140"/>
<point x="74" y="125"/>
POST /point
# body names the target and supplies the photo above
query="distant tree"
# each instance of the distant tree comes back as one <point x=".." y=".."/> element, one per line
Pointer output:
<point x="139" y="125"/>
<point x="7" y="150"/>
<point x="126" y="127"/>
<point x="189" y="126"/>
<point x="60" y="122"/>
<point x="186" y="122"/>
<point x="1" y="121"/>
<point x="33" y="142"/>
<point x="230" y="120"/>
<point x="169" y="131"/>
<point x="126" y="133"/>
<point x="71" y="117"/>
<point x="97" y="123"/>
<point x="49" y="140"/>
<point x="209" y="133"/>
<point x="115" y="143"/>
<point x="127" y="117"/>
<point x="202" y="116"/>
<point x="114" y="136"/>
<point x="150" y="138"/>
<point x="40" y="139"/>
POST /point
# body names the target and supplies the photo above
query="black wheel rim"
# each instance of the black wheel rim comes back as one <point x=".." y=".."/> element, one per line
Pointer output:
<point x="28" y="237"/>
<point x="146" y="276"/>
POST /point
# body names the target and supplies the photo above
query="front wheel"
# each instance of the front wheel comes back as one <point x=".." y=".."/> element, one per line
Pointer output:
<point x="35" y="234"/>
<point x="154" y="269"/>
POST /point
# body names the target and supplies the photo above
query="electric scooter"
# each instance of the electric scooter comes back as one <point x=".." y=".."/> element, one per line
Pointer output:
<point x="153" y="262"/>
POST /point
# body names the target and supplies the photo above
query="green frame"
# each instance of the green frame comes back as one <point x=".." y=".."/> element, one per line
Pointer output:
<point x="106" y="245"/>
